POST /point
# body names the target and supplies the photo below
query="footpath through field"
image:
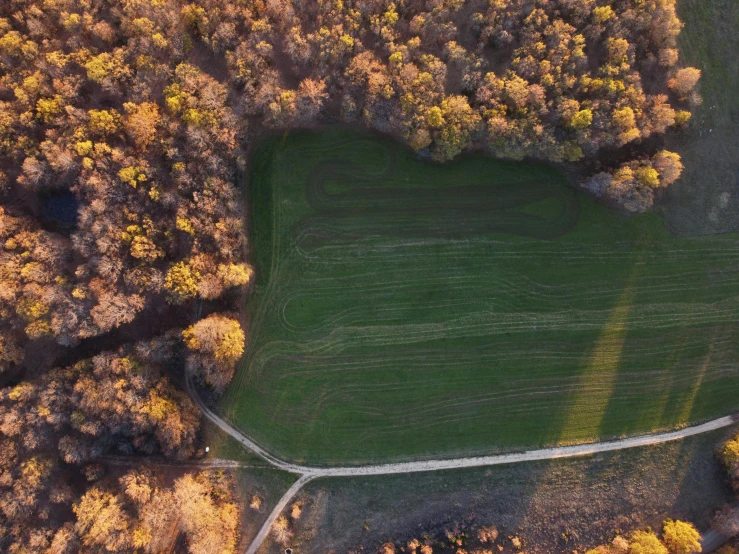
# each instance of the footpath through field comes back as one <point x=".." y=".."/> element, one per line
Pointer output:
<point x="308" y="473"/>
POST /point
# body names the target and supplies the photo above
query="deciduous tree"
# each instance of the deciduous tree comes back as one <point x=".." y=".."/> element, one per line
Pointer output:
<point x="216" y="342"/>
<point x="681" y="537"/>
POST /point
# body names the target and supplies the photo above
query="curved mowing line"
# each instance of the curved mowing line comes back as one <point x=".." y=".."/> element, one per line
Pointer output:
<point x="368" y="197"/>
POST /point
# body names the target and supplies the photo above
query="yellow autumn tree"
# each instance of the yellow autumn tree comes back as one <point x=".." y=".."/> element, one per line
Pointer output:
<point x="181" y="282"/>
<point x="582" y="119"/>
<point x="644" y="542"/>
<point x="219" y="336"/>
<point x="681" y="537"/>
<point x="235" y="275"/>
<point x="140" y="122"/>
<point x="648" y="176"/>
<point x="434" y="117"/>
<point x="104" y="122"/>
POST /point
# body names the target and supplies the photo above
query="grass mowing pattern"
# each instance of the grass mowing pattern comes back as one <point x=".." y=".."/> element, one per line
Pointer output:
<point x="405" y="310"/>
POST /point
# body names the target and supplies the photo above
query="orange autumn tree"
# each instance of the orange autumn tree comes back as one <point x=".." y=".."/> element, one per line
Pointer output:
<point x="216" y="343"/>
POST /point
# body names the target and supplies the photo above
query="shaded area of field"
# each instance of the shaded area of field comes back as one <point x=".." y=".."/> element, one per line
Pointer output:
<point x="560" y="506"/>
<point x="404" y="310"/>
<point x="706" y="198"/>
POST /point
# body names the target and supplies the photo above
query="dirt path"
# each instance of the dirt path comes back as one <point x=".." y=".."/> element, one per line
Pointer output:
<point x="213" y="463"/>
<point x="307" y="473"/>
<point x="264" y="531"/>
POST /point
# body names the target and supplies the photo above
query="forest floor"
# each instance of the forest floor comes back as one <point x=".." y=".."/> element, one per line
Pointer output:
<point x="404" y="310"/>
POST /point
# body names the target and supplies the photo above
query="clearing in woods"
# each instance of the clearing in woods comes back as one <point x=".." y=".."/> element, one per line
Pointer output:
<point x="406" y="310"/>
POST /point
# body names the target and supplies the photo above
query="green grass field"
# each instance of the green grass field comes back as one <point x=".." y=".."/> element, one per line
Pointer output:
<point x="404" y="310"/>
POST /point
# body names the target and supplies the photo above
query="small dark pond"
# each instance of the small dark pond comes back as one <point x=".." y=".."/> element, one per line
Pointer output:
<point x="59" y="211"/>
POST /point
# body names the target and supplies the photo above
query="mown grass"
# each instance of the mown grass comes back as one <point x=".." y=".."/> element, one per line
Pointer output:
<point x="405" y="310"/>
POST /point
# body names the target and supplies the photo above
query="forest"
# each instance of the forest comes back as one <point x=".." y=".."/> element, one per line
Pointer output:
<point x="144" y="112"/>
